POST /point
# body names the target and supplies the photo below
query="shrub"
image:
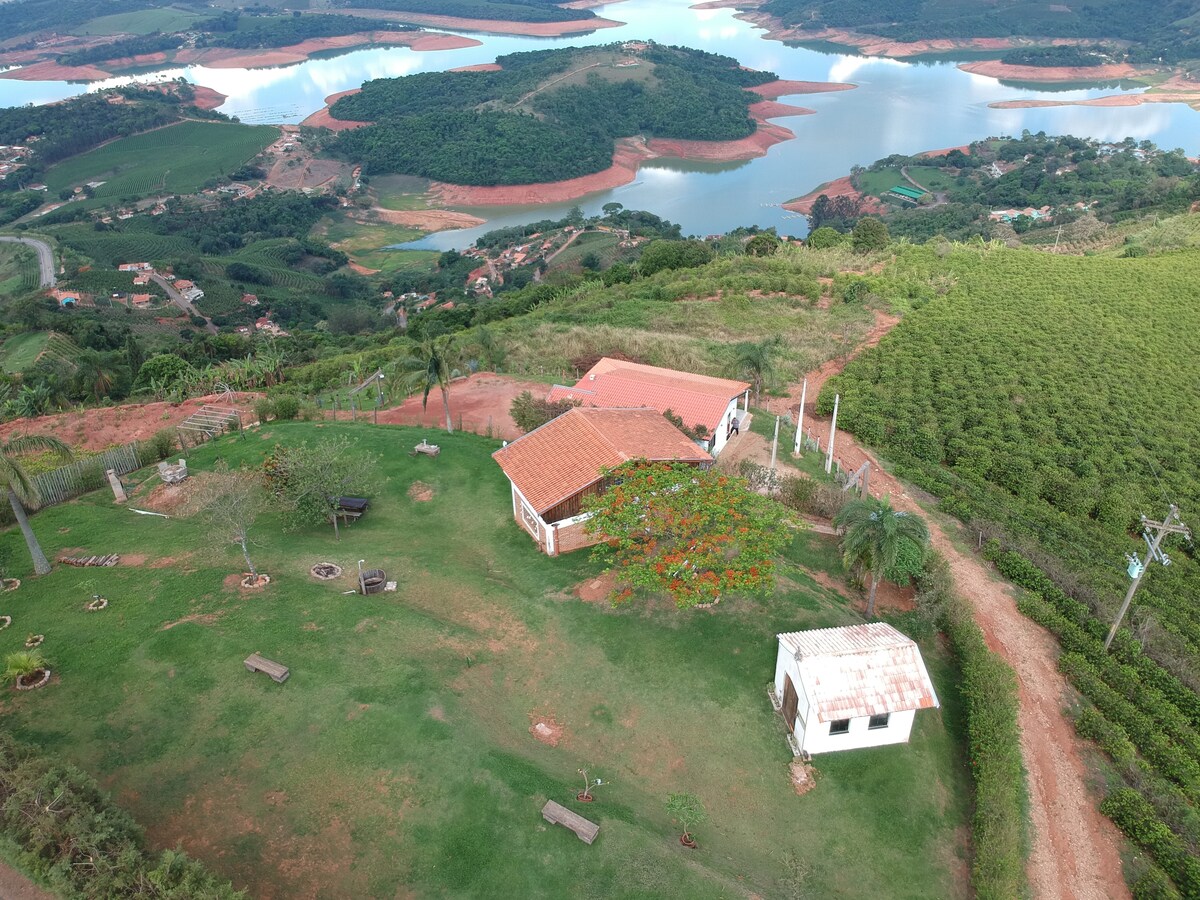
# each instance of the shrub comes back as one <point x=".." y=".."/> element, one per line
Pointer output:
<point x="1137" y="819"/>
<point x="264" y="408"/>
<point x="23" y="663"/>
<point x="530" y="412"/>
<point x="162" y="443"/>
<point x="286" y="408"/>
<point x="83" y="845"/>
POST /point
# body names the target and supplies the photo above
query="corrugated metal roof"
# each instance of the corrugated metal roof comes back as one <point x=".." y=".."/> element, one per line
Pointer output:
<point x="568" y="453"/>
<point x="860" y="670"/>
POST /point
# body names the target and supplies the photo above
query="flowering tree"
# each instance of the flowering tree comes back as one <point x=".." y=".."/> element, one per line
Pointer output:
<point x="696" y="534"/>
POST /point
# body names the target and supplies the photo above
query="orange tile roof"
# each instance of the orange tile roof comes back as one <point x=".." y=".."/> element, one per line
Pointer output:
<point x="564" y="456"/>
<point x="697" y="399"/>
<point x="860" y="670"/>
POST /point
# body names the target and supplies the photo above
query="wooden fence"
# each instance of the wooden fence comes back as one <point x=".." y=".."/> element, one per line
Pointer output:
<point x="85" y="475"/>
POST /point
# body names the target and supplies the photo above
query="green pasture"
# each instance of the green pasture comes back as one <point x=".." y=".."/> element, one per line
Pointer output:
<point x="602" y="243"/>
<point x="398" y="760"/>
<point x="147" y="21"/>
<point x="20" y="351"/>
<point x="176" y="159"/>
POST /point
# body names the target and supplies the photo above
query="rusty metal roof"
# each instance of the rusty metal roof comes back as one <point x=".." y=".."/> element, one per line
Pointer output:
<point x="860" y="670"/>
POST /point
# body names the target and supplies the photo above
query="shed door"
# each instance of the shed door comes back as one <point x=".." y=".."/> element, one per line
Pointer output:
<point x="790" y="702"/>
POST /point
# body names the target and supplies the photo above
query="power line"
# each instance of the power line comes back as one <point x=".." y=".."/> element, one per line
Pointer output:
<point x="1170" y="525"/>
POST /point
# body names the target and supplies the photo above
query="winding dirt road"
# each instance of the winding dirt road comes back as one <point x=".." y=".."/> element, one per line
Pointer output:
<point x="1075" y="850"/>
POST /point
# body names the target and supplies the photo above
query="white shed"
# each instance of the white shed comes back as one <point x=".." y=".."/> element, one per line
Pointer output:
<point x="850" y="687"/>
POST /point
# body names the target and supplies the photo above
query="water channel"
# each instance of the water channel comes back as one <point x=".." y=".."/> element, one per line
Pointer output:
<point x="898" y="107"/>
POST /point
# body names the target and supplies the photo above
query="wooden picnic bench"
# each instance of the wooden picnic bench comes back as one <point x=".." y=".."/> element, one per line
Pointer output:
<point x="257" y="663"/>
<point x="427" y="448"/>
<point x="558" y="814"/>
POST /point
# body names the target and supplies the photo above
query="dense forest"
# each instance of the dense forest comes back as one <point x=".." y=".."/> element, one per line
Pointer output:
<point x="18" y="17"/>
<point x="251" y="32"/>
<point x="503" y="10"/>
<point x="432" y="124"/>
<point x="1159" y="29"/>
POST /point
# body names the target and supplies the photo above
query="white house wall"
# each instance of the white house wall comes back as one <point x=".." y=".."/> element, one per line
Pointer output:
<point x="817" y="738"/>
<point x="719" y="438"/>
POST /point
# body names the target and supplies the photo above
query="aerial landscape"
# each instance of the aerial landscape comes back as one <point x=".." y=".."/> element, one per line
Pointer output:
<point x="649" y="449"/>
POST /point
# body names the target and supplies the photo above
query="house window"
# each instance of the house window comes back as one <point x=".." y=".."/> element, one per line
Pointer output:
<point x="878" y="721"/>
<point x="839" y="726"/>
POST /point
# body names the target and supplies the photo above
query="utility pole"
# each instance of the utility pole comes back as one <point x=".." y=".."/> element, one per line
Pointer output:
<point x="1170" y="525"/>
<point x="800" y="419"/>
<point x="774" y="448"/>
<point x="832" y="431"/>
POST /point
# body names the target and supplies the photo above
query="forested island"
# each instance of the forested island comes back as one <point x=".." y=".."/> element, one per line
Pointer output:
<point x="547" y="115"/>
<point x="1158" y="32"/>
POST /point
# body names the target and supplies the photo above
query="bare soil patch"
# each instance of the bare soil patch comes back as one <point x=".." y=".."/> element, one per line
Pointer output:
<point x="420" y="492"/>
<point x="104" y="427"/>
<point x="839" y="187"/>
<point x="487" y="26"/>
<point x="803" y="777"/>
<point x="133" y="559"/>
<point x="427" y="219"/>
<point x="597" y="590"/>
<point x="545" y="729"/>
<point x="994" y="68"/>
<point x="198" y="618"/>
<point x="478" y="401"/>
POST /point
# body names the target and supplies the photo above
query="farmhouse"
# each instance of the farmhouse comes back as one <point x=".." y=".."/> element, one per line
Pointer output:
<point x="850" y="687"/>
<point x="700" y="401"/>
<point x="554" y="467"/>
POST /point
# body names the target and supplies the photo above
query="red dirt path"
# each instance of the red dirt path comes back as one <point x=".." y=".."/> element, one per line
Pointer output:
<point x="1075" y="851"/>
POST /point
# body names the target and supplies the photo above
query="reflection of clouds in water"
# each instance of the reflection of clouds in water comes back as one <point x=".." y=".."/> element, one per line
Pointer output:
<point x="846" y="67"/>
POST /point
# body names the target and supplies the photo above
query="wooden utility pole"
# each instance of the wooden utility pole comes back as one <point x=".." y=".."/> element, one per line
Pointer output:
<point x="832" y="430"/>
<point x="1137" y="569"/>
<point x="774" y="448"/>
<point x="800" y="419"/>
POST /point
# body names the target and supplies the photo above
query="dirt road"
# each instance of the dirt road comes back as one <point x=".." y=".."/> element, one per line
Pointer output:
<point x="1075" y="852"/>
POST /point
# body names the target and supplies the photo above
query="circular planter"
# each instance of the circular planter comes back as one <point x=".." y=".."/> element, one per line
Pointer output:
<point x="9" y="584"/>
<point x="34" y="640"/>
<point x="688" y="842"/>
<point x="33" y="681"/>
<point x="326" y="571"/>
<point x="5" y="621"/>
<point x="256" y="581"/>
<point x="373" y="581"/>
<point x="584" y="798"/>
<point x="97" y="604"/>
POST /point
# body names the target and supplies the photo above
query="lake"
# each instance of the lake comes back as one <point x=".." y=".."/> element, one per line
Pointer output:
<point x="898" y="107"/>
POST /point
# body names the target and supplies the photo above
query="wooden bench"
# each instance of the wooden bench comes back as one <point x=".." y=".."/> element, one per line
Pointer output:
<point x="427" y="448"/>
<point x="557" y="814"/>
<point x="256" y="663"/>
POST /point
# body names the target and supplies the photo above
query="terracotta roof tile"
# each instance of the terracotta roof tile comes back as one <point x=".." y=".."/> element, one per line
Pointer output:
<point x="860" y="670"/>
<point x="697" y="399"/>
<point x="567" y="454"/>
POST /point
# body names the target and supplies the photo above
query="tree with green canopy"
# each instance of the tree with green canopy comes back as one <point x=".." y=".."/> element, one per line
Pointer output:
<point x="756" y="361"/>
<point x="876" y="537"/>
<point x="429" y="367"/>
<point x="21" y="488"/>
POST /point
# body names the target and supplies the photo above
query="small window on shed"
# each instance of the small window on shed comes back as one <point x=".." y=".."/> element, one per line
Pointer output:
<point x="879" y="721"/>
<point x="839" y="726"/>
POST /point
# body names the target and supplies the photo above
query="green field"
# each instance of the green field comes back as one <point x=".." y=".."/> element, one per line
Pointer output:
<point x="602" y="244"/>
<point x="18" y="269"/>
<point x="176" y="159"/>
<point x="147" y="21"/>
<point x="398" y="758"/>
<point x="20" y="351"/>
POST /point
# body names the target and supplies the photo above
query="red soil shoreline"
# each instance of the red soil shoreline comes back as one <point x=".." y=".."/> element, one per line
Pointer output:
<point x="322" y="119"/>
<point x="487" y="26"/>
<point x="225" y="58"/>
<point x="839" y="187"/>
<point x="994" y="68"/>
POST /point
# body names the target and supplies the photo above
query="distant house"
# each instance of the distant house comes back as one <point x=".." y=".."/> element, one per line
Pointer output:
<point x="851" y="687"/>
<point x="135" y="267"/>
<point x="697" y="399"/>
<point x="141" y="279"/>
<point x="552" y="468"/>
<point x="250" y="299"/>
<point x="140" y="300"/>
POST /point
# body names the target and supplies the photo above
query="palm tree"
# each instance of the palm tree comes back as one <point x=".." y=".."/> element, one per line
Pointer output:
<point x="21" y="488"/>
<point x="875" y="535"/>
<point x="428" y="368"/>
<point x="756" y="361"/>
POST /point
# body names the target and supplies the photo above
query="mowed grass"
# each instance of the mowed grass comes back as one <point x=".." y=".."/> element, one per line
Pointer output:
<point x="398" y="759"/>
<point x="176" y="159"/>
<point x="20" y="351"/>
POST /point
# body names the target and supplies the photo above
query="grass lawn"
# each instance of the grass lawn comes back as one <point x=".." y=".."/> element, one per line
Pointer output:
<point x="20" y="351"/>
<point x="365" y="243"/>
<point x="176" y="159"/>
<point x="398" y="759"/>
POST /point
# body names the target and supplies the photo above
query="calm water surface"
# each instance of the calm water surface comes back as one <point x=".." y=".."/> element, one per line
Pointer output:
<point x="897" y="108"/>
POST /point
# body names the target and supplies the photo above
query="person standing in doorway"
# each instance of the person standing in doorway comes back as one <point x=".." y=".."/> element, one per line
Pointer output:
<point x="733" y="427"/>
